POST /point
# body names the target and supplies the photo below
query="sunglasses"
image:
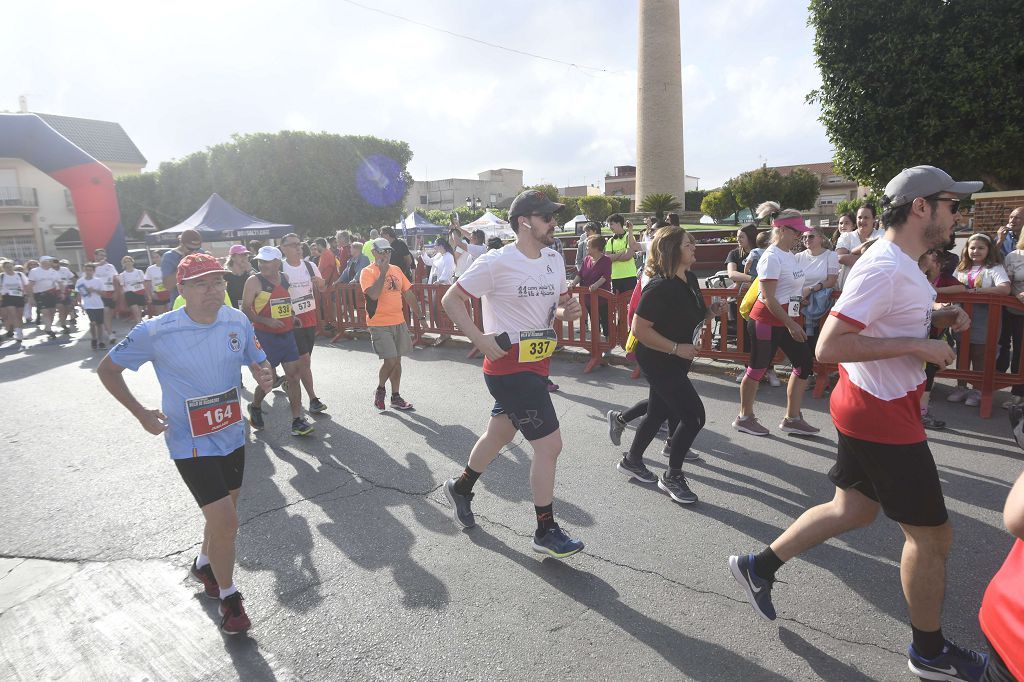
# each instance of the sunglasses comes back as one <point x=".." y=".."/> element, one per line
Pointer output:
<point x="546" y="217"/>
<point x="954" y="204"/>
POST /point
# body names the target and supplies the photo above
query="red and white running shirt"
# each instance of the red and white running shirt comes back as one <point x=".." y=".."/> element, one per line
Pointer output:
<point x="886" y="296"/>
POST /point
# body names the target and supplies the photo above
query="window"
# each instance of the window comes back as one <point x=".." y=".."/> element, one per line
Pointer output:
<point x="830" y="199"/>
<point x="494" y="198"/>
<point x="19" y="249"/>
<point x="423" y="199"/>
<point x="836" y="180"/>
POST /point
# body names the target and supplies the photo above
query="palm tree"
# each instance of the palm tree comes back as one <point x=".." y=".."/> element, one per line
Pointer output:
<point x="660" y="203"/>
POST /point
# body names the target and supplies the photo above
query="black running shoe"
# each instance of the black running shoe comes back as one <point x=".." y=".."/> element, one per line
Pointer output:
<point x="255" y="415"/>
<point x="954" y="663"/>
<point x="461" y="510"/>
<point x="301" y="427"/>
<point x="636" y="470"/>
<point x="316" y="406"/>
<point x="675" y="485"/>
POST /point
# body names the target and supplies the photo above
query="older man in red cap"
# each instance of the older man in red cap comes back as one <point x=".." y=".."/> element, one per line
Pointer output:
<point x="197" y="351"/>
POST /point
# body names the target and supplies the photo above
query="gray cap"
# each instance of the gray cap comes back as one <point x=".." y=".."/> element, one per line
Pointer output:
<point x="924" y="181"/>
<point x="380" y="244"/>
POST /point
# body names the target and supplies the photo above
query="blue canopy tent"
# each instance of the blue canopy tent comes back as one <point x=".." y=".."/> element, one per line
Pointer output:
<point x="219" y="221"/>
<point x="415" y="225"/>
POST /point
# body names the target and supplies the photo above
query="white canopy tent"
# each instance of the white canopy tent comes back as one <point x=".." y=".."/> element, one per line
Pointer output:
<point x="571" y="225"/>
<point x="493" y="226"/>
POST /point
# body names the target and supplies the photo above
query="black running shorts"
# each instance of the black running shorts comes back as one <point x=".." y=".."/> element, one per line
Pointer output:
<point x="210" y="478"/>
<point x="134" y="298"/>
<point x="901" y="478"/>
<point x="46" y="300"/>
<point x="305" y="339"/>
<point x="524" y="398"/>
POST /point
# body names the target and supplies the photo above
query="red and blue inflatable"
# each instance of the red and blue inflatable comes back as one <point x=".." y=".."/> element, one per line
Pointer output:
<point x="28" y="137"/>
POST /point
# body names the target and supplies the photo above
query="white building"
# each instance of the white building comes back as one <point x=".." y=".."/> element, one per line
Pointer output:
<point x="35" y="209"/>
<point x="492" y="189"/>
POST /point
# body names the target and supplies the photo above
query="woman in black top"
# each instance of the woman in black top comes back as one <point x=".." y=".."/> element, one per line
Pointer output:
<point x="239" y="270"/>
<point x="671" y="314"/>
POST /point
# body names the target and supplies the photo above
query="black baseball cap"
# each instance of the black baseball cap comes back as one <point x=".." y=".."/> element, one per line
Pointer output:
<point x="533" y="201"/>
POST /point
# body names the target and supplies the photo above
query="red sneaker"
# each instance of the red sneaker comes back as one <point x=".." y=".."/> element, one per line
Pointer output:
<point x="205" y="576"/>
<point x="234" y="619"/>
<point x="399" y="403"/>
<point x="378" y="399"/>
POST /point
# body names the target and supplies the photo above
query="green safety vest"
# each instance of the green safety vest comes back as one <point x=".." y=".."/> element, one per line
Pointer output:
<point x="620" y="269"/>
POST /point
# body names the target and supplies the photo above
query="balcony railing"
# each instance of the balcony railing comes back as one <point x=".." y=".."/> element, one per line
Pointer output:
<point x="18" y="197"/>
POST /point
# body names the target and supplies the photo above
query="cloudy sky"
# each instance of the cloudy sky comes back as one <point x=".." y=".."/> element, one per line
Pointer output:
<point x="186" y="75"/>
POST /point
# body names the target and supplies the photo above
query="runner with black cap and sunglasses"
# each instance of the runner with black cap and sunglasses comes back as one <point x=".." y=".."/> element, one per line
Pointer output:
<point x="523" y="288"/>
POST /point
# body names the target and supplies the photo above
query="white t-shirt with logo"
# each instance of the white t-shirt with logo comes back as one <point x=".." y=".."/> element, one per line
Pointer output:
<point x="106" y="274"/>
<point x="44" y="280"/>
<point x="783" y="267"/>
<point x="155" y="276"/>
<point x="300" y="286"/>
<point x="886" y="296"/>
<point x="90" y="301"/>
<point x="817" y="268"/>
<point x="13" y="284"/>
<point x="132" y="280"/>
<point x="67" y="278"/>
<point x="519" y="294"/>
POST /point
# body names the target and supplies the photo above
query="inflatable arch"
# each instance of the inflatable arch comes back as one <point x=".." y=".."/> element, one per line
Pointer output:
<point x="28" y="137"/>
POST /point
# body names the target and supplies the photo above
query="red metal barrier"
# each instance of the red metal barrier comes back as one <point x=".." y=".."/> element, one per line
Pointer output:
<point x="350" y="315"/>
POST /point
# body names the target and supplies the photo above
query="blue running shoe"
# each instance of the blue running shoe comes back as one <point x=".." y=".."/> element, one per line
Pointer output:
<point x="954" y="663"/>
<point x="758" y="590"/>
<point x="556" y="543"/>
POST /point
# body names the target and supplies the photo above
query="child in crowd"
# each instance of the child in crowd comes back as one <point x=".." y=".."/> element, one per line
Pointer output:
<point x="930" y="263"/>
<point x="89" y="287"/>
<point x="750" y="262"/>
<point x="981" y="271"/>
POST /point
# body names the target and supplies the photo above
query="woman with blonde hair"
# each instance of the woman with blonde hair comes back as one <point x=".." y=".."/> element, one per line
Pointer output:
<point x="774" y="324"/>
<point x="668" y="320"/>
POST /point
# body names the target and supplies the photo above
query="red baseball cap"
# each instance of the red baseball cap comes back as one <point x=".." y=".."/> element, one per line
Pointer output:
<point x="196" y="265"/>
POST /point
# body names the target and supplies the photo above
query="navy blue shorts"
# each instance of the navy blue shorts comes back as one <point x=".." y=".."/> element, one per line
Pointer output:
<point x="278" y="347"/>
<point x="523" y="398"/>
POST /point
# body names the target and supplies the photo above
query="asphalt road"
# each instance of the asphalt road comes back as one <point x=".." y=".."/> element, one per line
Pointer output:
<point x="353" y="569"/>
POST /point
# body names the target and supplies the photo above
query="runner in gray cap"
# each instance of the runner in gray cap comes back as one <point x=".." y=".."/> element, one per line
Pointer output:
<point x="878" y="333"/>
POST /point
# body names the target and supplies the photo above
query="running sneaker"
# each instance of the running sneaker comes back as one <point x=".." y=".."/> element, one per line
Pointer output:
<point x="954" y="663"/>
<point x="378" y="398"/>
<point x="552" y="387"/>
<point x="102" y="345"/>
<point x="757" y="589"/>
<point x="301" y="427"/>
<point x="1015" y="400"/>
<point x="255" y="414"/>
<point x="233" y="619"/>
<point x="278" y="380"/>
<point x="676" y="487"/>
<point x="636" y="470"/>
<point x="690" y="455"/>
<point x="461" y="510"/>
<point x="615" y="426"/>
<point x="957" y="396"/>
<point x="52" y="334"/>
<point x="931" y="422"/>
<point x="316" y="406"/>
<point x="973" y="398"/>
<point x="205" y="577"/>
<point x="399" y="403"/>
<point x="773" y="378"/>
<point x="556" y="543"/>
<point x="749" y="425"/>
<point x="798" y="426"/>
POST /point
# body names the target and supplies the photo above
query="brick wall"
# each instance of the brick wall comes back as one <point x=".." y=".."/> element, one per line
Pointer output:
<point x="991" y="209"/>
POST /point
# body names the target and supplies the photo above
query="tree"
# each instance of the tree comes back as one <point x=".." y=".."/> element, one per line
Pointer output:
<point x="317" y="182"/>
<point x="693" y="199"/>
<point x="851" y="205"/>
<point x="660" y="203"/>
<point x="571" y="209"/>
<point x="906" y="82"/>
<point x="755" y="187"/>
<point x="800" y="190"/>
<point x="549" y="190"/>
<point x="719" y="204"/>
<point x="135" y="194"/>
<point x="596" y="207"/>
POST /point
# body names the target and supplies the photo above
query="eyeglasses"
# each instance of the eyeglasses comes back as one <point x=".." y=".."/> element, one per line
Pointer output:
<point x="207" y="285"/>
<point x="954" y="204"/>
<point x="546" y="217"/>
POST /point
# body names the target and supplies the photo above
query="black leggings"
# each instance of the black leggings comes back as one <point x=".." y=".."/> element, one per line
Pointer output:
<point x="672" y="396"/>
<point x="1009" y="347"/>
<point x="640" y="409"/>
<point x="768" y="339"/>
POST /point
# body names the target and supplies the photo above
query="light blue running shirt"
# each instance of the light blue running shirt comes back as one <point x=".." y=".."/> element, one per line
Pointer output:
<point x="197" y="366"/>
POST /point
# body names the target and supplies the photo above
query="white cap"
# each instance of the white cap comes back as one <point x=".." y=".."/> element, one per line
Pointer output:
<point x="46" y="258"/>
<point x="269" y="253"/>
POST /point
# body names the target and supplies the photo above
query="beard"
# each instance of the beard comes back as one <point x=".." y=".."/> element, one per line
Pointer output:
<point x="935" y="235"/>
<point x="547" y="237"/>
